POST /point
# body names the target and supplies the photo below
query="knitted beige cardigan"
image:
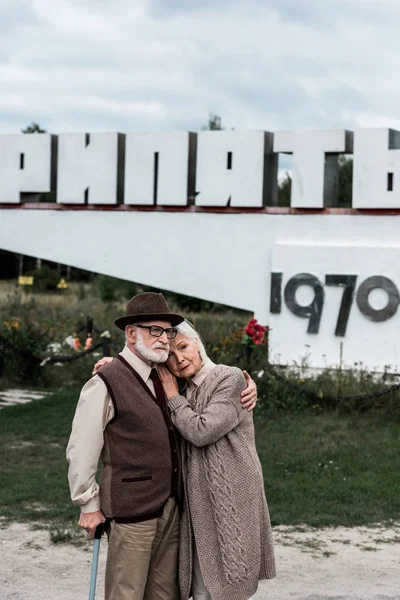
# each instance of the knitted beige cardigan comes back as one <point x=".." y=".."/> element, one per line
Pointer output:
<point x="226" y="513"/>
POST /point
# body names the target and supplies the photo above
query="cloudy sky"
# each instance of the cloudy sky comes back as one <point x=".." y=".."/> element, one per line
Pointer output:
<point x="148" y="65"/>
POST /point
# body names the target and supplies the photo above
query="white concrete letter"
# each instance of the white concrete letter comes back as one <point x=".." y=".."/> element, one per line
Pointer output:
<point x="315" y="164"/>
<point x="25" y="165"/>
<point x="158" y="168"/>
<point x="231" y="167"/>
<point x="376" y="178"/>
<point x="87" y="168"/>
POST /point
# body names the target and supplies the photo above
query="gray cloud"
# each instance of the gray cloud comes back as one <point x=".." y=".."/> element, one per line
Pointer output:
<point x="102" y="65"/>
<point x="13" y="14"/>
<point x="160" y="9"/>
<point x="310" y="13"/>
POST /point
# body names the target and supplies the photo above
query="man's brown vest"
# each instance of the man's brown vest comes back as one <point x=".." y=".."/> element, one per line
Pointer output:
<point x="140" y="455"/>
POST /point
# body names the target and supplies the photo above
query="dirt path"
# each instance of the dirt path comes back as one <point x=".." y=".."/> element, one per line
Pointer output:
<point x="329" y="564"/>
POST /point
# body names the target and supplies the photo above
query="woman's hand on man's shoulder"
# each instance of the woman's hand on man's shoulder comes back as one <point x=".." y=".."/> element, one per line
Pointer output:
<point x="101" y="363"/>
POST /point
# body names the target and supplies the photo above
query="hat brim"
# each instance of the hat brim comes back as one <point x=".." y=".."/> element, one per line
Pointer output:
<point x="172" y="318"/>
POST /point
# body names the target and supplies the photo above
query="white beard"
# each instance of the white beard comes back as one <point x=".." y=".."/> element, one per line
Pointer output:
<point x="148" y="353"/>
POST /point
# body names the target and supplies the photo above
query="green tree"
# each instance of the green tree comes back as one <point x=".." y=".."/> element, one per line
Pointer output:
<point x="345" y="184"/>
<point x="33" y="128"/>
<point x="284" y="190"/>
<point x="214" y="123"/>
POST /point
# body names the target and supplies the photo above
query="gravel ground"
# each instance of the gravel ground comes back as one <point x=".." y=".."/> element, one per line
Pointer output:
<point x="329" y="564"/>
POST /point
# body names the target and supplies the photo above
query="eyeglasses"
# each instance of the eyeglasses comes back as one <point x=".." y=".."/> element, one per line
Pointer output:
<point x="157" y="331"/>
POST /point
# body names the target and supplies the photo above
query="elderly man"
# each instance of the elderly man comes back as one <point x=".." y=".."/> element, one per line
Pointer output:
<point x="122" y="421"/>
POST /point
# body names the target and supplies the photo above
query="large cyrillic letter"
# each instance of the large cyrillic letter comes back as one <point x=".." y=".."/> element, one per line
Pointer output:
<point x="25" y="165"/>
<point x="88" y="168"/>
<point x="159" y="168"/>
<point x="376" y="179"/>
<point x="235" y="169"/>
<point x="315" y="164"/>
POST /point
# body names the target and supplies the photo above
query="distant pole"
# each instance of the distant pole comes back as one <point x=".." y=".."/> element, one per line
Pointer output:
<point x="21" y="265"/>
<point x="89" y="325"/>
<point x="106" y="346"/>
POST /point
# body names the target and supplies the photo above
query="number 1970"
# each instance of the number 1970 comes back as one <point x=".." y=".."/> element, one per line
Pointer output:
<point x="313" y="311"/>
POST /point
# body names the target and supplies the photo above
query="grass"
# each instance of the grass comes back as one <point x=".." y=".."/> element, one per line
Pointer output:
<point x="330" y="470"/>
<point x="320" y="469"/>
<point x="33" y="438"/>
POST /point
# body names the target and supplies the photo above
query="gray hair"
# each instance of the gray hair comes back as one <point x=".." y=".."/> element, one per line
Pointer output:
<point x="126" y="335"/>
<point x="186" y="329"/>
<point x="131" y="325"/>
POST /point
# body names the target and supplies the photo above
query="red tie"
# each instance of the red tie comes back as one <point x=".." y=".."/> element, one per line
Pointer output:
<point x="158" y="387"/>
<point x="162" y="403"/>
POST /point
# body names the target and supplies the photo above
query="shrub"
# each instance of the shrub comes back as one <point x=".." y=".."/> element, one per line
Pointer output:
<point x="46" y="319"/>
<point x="111" y="289"/>
<point x="21" y="351"/>
<point x="128" y="289"/>
<point x="45" y="279"/>
<point x="107" y="288"/>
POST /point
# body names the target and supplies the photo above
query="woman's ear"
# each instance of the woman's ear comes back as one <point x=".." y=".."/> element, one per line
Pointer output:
<point x="197" y="344"/>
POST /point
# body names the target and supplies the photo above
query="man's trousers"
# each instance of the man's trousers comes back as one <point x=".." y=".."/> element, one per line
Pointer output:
<point x="142" y="561"/>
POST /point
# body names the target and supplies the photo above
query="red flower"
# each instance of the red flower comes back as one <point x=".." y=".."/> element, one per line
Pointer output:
<point x="256" y="332"/>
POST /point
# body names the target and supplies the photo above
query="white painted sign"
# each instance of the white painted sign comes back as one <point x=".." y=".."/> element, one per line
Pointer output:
<point x="209" y="169"/>
<point x="335" y="304"/>
<point x="327" y="285"/>
<point x="331" y="263"/>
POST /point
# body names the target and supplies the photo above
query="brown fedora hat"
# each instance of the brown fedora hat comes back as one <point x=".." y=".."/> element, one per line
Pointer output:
<point x="148" y="306"/>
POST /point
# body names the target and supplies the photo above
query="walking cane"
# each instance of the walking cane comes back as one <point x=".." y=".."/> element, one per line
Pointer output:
<point x="95" y="560"/>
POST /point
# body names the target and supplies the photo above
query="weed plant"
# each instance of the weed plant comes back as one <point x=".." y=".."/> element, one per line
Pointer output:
<point x="30" y="325"/>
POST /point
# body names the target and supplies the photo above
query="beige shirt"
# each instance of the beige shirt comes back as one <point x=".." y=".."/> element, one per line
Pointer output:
<point x="93" y="412"/>
<point x="204" y="371"/>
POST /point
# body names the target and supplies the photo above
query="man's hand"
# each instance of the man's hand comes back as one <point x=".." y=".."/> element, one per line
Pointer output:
<point x="249" y="395"/>
<point x="89" y="521"/>
<point x="100" y="363"/>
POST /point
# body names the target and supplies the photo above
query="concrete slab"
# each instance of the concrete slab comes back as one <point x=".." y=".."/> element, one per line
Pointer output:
<point x="12" y="397"/>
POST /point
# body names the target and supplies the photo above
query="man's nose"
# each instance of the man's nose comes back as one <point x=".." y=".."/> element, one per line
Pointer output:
<point x="163" y="337"/>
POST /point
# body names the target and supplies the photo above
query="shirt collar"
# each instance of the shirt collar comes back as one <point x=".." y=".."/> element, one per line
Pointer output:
<point x="142" y="368"/>
<point x="207" y="367"/>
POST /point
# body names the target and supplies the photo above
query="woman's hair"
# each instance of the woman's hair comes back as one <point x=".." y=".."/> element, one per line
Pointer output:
<point x="186" y="329"/>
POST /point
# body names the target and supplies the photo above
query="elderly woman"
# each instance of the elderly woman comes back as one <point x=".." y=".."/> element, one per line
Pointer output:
<point x="226" y="541"/>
